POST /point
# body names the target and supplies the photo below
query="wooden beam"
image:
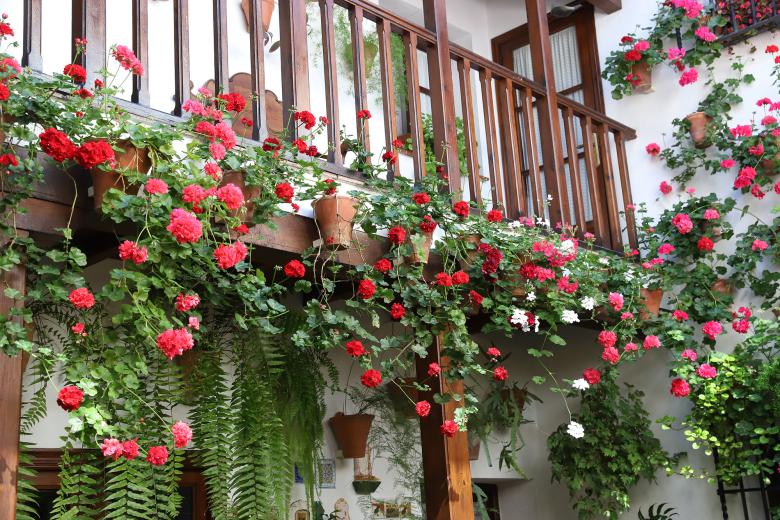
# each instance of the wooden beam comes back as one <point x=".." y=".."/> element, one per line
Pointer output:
<point x="445" y="138"/>
<point x="11" y="369"/>
<point x="547" y="108"/>
<point x="295" y="59"/>
<point x="446" y="466"/>
<point x="608" y="6"/>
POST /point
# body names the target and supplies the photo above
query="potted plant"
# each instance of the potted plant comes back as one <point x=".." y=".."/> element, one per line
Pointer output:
<point x="630" y="69"/>
<point x="365" y="483"/>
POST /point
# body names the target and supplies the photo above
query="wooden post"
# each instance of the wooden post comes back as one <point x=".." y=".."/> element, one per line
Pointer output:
<point x="89" y="21"/>
<point x="445" y="138"/>
<point x="140" y="93"/>
<point x="446" y="466"/>
<point x="32" y="37"/>
<point x="547" y="108"/>
<point x="295" y="59"/>
<point x="10" y="404"/>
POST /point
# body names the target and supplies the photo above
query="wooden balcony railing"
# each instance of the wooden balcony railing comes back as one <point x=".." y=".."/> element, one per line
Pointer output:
<point x="514" y="155"/>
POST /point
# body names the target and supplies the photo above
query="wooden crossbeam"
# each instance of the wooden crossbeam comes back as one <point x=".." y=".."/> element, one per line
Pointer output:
<point x="608" y="6"/>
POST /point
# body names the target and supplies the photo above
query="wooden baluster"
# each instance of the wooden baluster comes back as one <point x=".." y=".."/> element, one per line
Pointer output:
<point x="532" y="151"/>
<point x="415" y="111"/>
<point x="625" y="187"/>
<point x="574" y="169"/>
<point x="257" y="69"/>
<point x="515" y="193"/>
<point x="613" y="213"/>
<point x="445" y="138"/>
<point x="181" y="51"/>
<point x="384" y="33"/>
<point x="488" y="109"/>
<point x="446" y="467"/>
<point x="11" y="369"/>
<point x="140" y="92"/>
<point x="359" y="68"/>
<point x="547" y="107"/>
<point x="31" y="45"/>
<point x="89" y="21"/>
<point x="295" y="59"/>
<point x="221" y="49"/>
<point x="469" y="133"/>
<point x="331" y="82"/>
<point x="599" y="221"/>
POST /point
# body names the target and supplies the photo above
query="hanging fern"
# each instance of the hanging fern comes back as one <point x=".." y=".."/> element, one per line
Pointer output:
<point x="81" y="477"/>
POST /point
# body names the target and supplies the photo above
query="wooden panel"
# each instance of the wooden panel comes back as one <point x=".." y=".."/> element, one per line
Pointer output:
<point x="469" y="132"/>
<point x="11" y="369"/>
<point x="181" y="49"/>
<point x="613" y="212"/>
<point x="415" y="117"/>
<point x="31" y="45"/>
<point x="89" y="21"/>
<point x="221" y="49"/>
<point x="486" y="85"/>
<point x="295" y="58"/>
<point x="384" y="33"/>
<point x="547" y="107"/>
<point x="597" y="209"/>
<point x="445" y="137"/>
<point x="359" y="68"/>
<point x="510" y="146"/>
<point x="446" y="466"/>
<point x="608" y="6"/>
<point x="331" y="81"/>
<point x="257" y="69"/>
<point x="574" y="169"/>
<point x="532" y="151"/>
<point x="140" y="92"/>
<point x="625" y="186"/>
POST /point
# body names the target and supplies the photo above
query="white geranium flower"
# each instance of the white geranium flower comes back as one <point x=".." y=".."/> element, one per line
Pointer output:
<point x="567" y="247"/>
<point x="576" y="430"/>
<point x="568" y="316"/>
<point x="604" y="260"/>
<point x="515" y="224"/>
<point x="630" y="275"/>
<point x="580" y="384"/>
<point x="531" y="296"/>
<point x="520" y="319"/>
<point x="588" y="303"/>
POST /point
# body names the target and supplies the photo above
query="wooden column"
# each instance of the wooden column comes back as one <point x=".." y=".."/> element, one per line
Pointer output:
<point x="442" y="94"/>
<point x="446" y="466"/>
<point x="140" y="93"/>
<point x="295" y="58"/>
<point x="257" y="59"/>
<point x="547" y="107"/>
<point x="10" y="404"/>
<point x="33" y="31"/>
<point x="89" y="21"/>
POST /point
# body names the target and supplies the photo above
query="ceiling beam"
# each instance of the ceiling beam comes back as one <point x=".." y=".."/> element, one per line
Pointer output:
<point x="608" y="6"/>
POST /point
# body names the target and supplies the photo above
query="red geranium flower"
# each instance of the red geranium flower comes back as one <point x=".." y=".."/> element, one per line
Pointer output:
<point x="396" y="235"/>
<point x="185" y="226"/>
<point x="57" y="145"/>
<point x="182" y="434"/>
<point x="157" y="455"/>
<point x="366" y="289"/>
<point x="364" y="114"/>
<point x="228" y="256"/>
<point x="428" y="225"/>
<point x="461" y="208"/>
<point x="295" y="269"/>
<point x="705" y="244"/>
<point x="495" y="215"/>
<point x="460" y="278"/>
<point x="92" y="153"/>
<point x="131" y="251"/>
<point x="235" y="102"/>
<point x="76" y="72"/>
<point x="443" y="280"/>
<point x="397" y="311"/>
<point x="355" y="348"/>
<point x="284" y="191"/>
<point x="70" y="398"/>
<point x="500" y="373"/>
<point x="434" y="369"/>
<point x="449" y="428"/>
<point x="421" y="198"/>
<point x="422" y="408"/>
<point x="81" y="298"/>
<point x="592" y="376"/>
<point x="371" y="378"/>
<point x="680" y="388"/>
<point x="383" y="265"/>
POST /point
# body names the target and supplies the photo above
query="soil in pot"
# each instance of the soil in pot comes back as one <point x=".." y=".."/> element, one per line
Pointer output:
<point x="644" y="73"/>
<point x="131" y="158"/>
<point x="699" y="122"/>
<point x="351" y="432"/>
<point x="335" y="217"/>
<point x="651" y="299"/>
<point x="250" y="192"/>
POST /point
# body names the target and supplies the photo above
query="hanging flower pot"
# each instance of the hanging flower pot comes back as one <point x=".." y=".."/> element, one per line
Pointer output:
<point x="651" y="299"/>
<point x="723" y="286"/>
<point x="351" y="432"/>
<point x="771" y="165"/>
<point x="366" y="487"/>
<point x="474" y="445"/>
<point x="237" y="178"/>
<point x="699" y="122"/>
<point x="471" y="254"/>
<point x="421" y="248"/>
<point x="335" y="217"/>
<point x="643" y="73"/>
<point x="130" y="158"/>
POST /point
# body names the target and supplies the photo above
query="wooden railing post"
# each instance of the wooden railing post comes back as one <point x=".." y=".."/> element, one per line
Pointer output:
<point x="446" y="466"/>
<point x="10" y="403"/>
<point x="547" y="108"/>
<point x="33" y="32"/>
<point x="295" y="58"/>
<point x="445" y="135"/>
<point x="89" y="21"/>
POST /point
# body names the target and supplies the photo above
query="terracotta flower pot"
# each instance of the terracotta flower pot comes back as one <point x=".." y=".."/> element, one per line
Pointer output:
<point x="699" y="122"/>
<point x="771" y="165"/>
<point x="335" y="217"/>
<point x="474" y="444"/>
<point x="723" y="286"/>
<point x="238" y="178"/>
<point x="471" y="254"/>
<point x="351" y="432"/>
<point x="644" y="72"/>
<point x="131" y="158"/>
<point x="652" y="302"/>
<point x="421" y="252"/>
